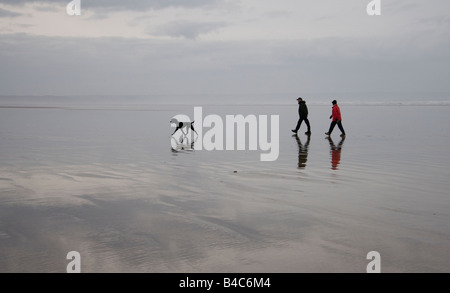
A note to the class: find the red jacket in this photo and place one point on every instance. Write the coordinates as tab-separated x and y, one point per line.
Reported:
336	114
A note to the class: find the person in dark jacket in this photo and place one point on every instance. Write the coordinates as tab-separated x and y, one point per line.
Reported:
336	119
303	116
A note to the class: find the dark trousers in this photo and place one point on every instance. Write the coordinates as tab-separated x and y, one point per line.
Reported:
339	124
299	123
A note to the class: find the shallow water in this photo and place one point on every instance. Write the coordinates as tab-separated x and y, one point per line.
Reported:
103	180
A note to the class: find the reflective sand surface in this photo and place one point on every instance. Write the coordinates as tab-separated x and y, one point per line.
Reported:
105	182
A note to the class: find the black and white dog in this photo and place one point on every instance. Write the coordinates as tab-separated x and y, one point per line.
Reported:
181	125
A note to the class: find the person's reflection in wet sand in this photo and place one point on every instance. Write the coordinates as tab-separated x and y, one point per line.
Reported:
335	153
302	151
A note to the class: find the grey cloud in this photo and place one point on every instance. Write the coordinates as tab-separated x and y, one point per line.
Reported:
124	4
278	14
442	20
7	13
399	6
187	29
68	66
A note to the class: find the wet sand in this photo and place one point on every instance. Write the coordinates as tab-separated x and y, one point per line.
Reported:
106	183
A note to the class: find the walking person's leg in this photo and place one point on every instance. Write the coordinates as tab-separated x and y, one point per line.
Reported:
309	126
332	125
341	128
299	123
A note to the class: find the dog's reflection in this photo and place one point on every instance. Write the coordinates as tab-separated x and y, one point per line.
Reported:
302	151
183	143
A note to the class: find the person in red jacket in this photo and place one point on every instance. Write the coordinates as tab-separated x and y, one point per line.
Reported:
336	119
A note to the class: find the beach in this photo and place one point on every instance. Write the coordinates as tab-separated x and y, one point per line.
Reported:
104	180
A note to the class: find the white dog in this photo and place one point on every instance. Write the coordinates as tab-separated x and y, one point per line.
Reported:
181	125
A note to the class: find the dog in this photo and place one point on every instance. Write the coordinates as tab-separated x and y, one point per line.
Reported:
181	125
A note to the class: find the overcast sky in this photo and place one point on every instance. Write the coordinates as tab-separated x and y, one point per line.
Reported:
208	47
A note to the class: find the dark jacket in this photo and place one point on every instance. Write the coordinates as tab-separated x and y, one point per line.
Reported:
302	109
